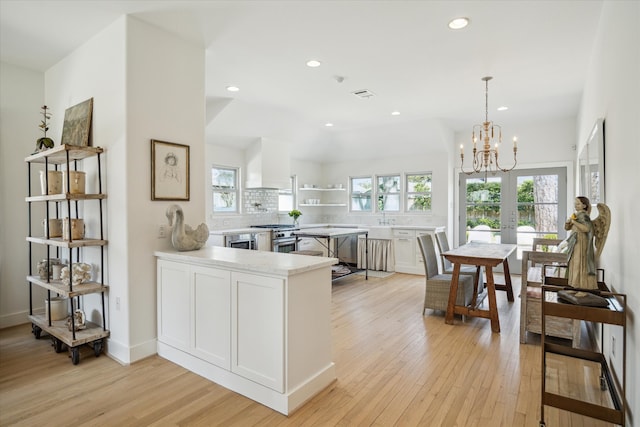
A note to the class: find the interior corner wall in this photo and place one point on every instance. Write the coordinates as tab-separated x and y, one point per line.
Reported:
21	95
145	84
97	70
165	101
611	92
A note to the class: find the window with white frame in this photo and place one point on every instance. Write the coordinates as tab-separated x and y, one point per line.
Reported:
224	183
418	192
361	192
287	196
388	193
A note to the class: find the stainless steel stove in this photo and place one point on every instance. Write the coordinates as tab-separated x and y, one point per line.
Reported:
282	238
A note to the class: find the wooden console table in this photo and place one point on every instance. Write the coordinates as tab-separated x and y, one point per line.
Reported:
487	255
613	314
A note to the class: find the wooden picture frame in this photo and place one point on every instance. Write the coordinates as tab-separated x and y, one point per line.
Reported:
169	171
76	129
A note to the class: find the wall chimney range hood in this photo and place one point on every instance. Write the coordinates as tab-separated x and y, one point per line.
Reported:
268	165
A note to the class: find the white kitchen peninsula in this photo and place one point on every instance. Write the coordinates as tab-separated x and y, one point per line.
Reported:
255	322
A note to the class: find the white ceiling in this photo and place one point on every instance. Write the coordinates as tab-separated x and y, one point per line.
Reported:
402	51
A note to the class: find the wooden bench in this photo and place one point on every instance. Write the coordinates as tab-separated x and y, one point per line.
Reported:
542	256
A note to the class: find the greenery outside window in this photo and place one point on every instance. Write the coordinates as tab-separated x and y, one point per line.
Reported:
388	193
224	182
418	192
361	188
287	196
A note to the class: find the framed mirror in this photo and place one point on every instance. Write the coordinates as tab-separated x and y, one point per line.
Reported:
591	165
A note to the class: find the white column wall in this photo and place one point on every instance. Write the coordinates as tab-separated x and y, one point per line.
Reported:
165	101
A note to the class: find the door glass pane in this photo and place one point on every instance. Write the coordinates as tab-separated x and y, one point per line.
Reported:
483	209
537	209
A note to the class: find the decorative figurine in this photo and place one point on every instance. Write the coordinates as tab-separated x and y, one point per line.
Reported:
580	243
45	142
79	319
183	237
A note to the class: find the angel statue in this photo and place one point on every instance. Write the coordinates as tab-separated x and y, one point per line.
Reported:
580	243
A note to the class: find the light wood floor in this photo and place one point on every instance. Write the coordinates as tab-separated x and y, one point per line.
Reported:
395	367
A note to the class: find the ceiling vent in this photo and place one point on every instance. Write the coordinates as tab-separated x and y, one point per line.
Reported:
364	93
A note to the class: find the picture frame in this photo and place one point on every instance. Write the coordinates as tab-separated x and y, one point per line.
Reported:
76	129
169	171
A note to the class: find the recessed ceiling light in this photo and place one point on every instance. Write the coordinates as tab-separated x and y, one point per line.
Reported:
233	88
458	23
328	124
503	108
395	113
313	63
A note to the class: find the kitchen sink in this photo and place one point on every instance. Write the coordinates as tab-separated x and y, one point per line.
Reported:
380	232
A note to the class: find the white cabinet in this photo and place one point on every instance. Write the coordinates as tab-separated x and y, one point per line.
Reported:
263	334
174	304
407	252
257	335
190	297
321	196
405	247
210	322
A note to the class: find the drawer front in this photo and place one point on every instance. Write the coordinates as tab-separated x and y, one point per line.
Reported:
404	233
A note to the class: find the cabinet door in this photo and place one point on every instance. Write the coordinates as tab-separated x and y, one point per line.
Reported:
174	304
405	248
257	329
211	328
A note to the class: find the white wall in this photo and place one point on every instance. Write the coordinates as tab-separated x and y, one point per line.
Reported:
22	96
165	101
97	70
146	84
612	91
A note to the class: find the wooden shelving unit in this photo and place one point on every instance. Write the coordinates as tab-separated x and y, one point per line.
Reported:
614	314
63	334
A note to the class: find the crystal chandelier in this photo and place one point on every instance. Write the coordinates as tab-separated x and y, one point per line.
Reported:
487	158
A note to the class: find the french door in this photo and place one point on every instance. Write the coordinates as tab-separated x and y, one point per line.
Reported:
513	207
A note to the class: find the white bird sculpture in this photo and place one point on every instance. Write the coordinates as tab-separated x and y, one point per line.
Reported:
183	237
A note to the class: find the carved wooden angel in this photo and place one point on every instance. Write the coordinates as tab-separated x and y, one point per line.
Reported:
582	251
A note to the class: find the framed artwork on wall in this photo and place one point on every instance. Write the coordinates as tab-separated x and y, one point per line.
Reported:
169	171
76	129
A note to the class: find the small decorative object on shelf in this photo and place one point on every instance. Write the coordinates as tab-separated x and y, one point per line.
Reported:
45	142
183	237
79	319
81	273
295	214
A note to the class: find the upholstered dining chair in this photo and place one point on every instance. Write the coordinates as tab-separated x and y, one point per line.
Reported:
438	285
447	267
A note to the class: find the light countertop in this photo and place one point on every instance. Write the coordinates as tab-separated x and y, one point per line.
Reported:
329	232
280	264
251	230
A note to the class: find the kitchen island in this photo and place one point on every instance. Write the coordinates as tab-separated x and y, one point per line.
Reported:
255	322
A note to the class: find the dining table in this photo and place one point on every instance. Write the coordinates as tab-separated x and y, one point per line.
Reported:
480	254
